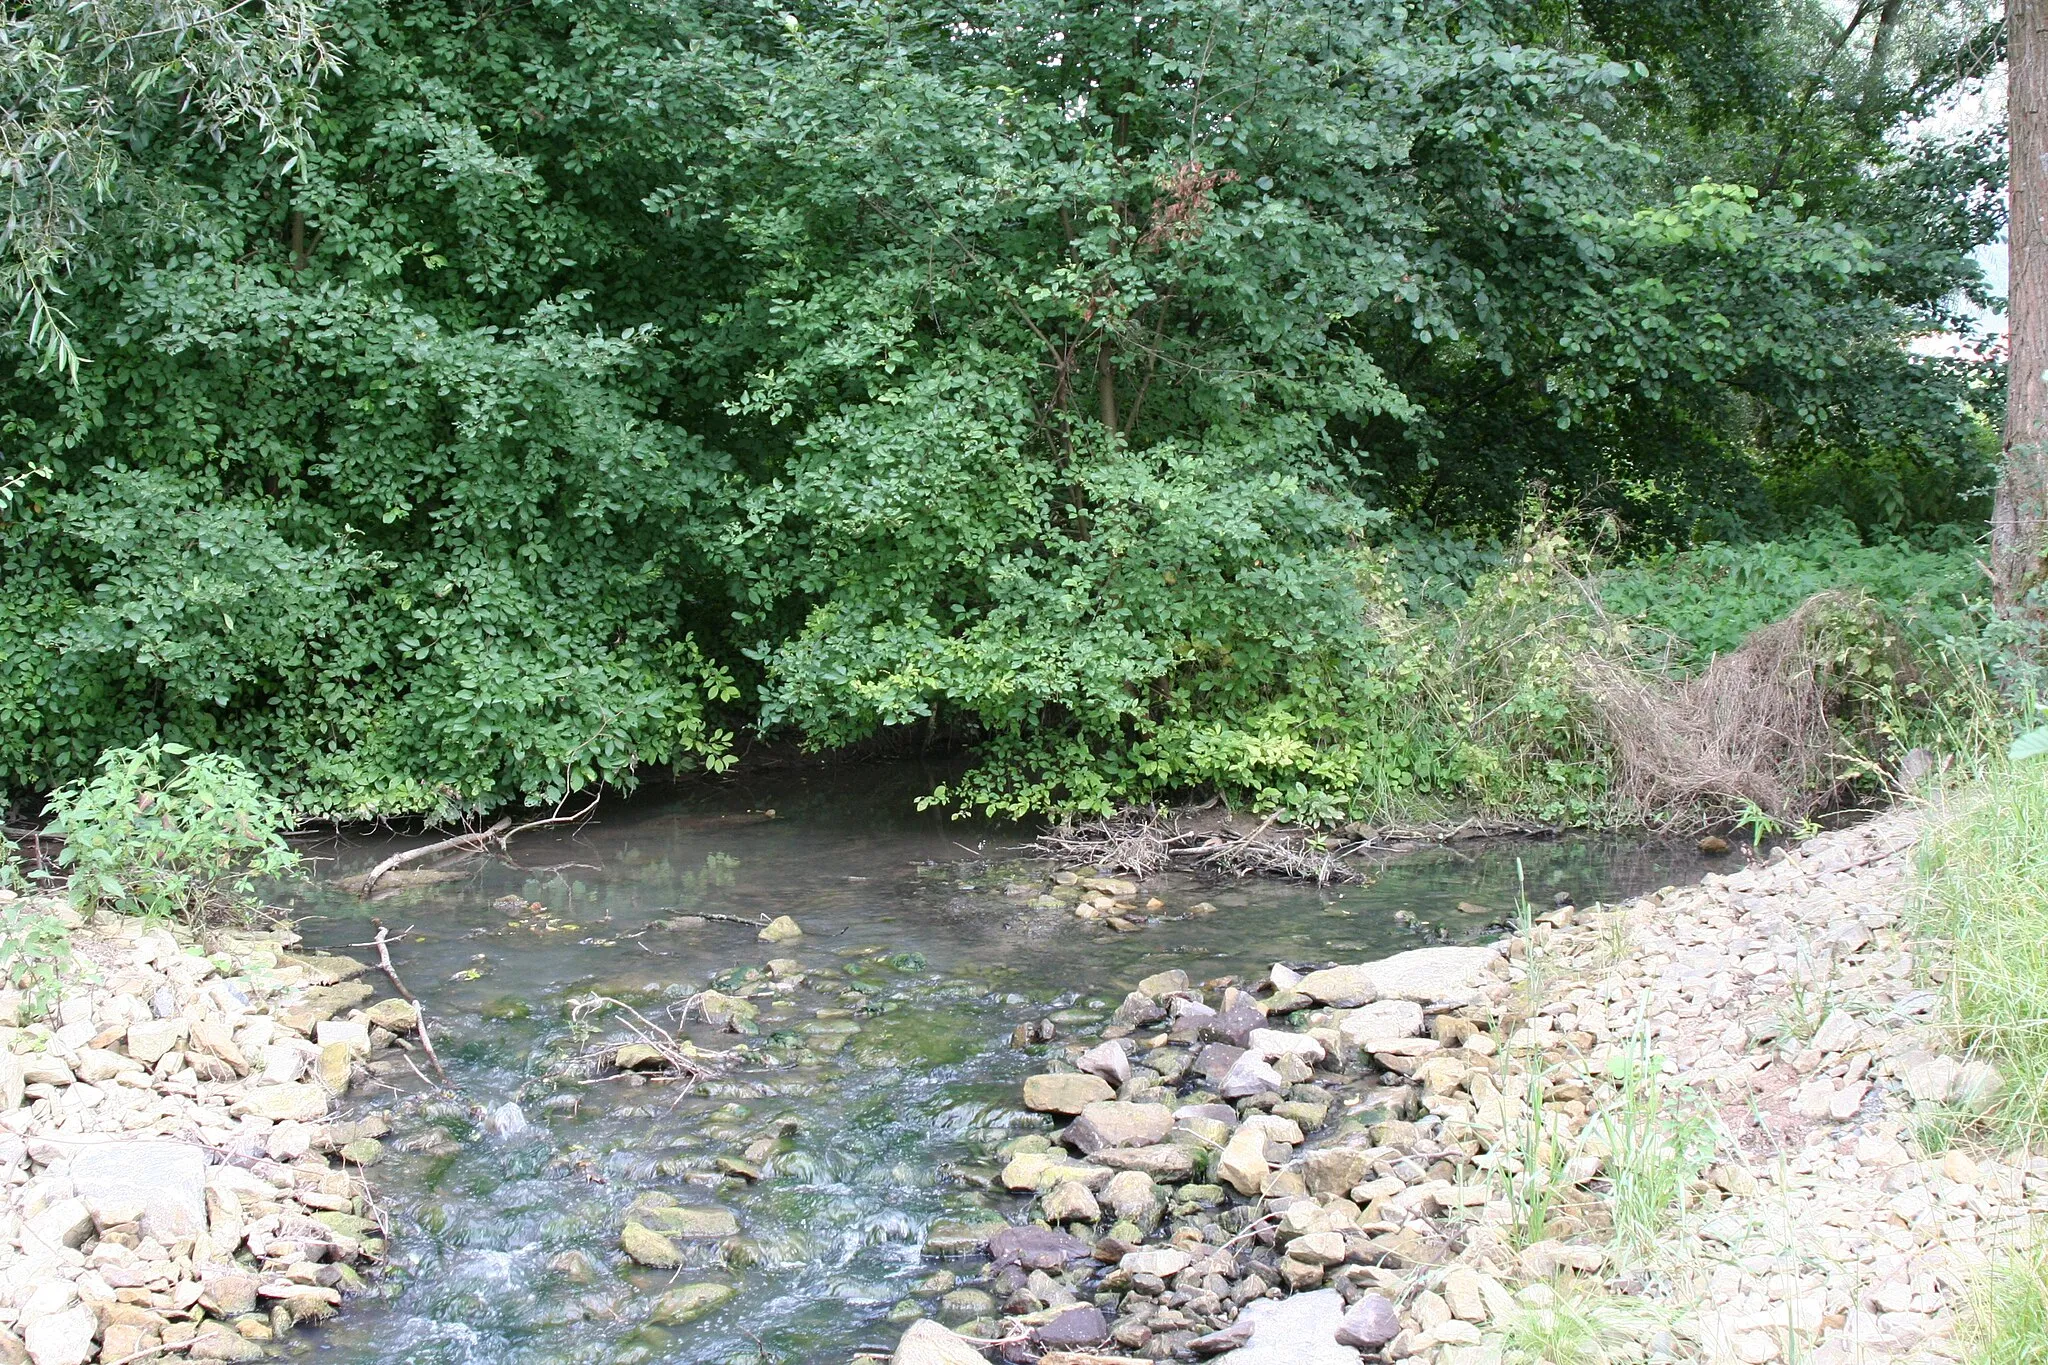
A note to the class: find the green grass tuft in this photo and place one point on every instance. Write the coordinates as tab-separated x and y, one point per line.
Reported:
1985	866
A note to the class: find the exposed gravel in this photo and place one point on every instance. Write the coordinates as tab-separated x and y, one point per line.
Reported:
1358	1142
174	1181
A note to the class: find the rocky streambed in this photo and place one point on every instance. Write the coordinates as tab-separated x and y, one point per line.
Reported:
810	1091
176	1181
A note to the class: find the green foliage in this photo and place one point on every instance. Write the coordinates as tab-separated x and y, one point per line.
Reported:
2008	1318
35	950
481	402
164	831
1707	600
1985	865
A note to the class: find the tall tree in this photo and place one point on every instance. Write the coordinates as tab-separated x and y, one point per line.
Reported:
2021	511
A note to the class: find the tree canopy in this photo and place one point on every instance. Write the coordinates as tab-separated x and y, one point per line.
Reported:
449	403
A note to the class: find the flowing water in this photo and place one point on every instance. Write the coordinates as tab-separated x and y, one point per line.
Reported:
873	1091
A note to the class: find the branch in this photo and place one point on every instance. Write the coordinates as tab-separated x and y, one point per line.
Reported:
470	842
382	945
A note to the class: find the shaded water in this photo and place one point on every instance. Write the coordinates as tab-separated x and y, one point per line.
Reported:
873	1094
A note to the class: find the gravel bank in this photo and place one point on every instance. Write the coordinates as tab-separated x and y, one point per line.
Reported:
174	1180
1695	1127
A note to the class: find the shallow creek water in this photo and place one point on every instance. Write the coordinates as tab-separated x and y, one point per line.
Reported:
867	1124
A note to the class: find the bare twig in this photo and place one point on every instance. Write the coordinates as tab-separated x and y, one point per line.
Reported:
382	943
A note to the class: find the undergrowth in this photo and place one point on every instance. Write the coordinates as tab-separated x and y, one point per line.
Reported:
2008	1319
1985	896
162	831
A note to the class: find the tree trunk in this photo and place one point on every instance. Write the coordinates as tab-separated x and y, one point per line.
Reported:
2020	512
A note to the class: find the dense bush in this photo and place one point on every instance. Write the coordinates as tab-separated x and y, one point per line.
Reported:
438	405
160	830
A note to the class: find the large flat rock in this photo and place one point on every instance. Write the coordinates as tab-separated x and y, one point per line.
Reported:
1299	1330
1433	976
162	1183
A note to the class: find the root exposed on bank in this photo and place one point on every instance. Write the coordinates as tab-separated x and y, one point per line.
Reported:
1756	727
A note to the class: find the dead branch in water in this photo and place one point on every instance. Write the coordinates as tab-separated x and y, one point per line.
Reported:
382	944
680	1057
498	836
1141	842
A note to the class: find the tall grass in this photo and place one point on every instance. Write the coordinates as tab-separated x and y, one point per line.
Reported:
1984	862
2009	1318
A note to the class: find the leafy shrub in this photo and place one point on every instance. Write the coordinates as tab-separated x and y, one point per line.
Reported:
161	830
35	948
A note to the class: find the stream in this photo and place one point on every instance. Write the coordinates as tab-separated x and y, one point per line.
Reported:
877	1083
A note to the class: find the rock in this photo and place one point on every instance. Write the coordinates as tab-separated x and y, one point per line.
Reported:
1713	845
1382	1019
1243	1165
661	1213
1298	1330
66	1223
1070	1202
649	1248
639	1057
1107	1060
165	1180
962	1239
64	1338
1168	1161
1333	1172
394	1015
781	929
1132	1196
1838	1032
1172	982
1270	1043
1342	987
229	1295
293	1101
1976	1087
1032	1248
689	1301
1065	1093
149	1040
1450	976
1137	1010
353	1034
13	1081
332	1068
1371	1323
1462	1294
1235	1025
1165	1262
1250	1074
1105	1124
1076	1325
215	1341
927	1343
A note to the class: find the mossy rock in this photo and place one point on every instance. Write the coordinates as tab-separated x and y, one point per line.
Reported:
688	1302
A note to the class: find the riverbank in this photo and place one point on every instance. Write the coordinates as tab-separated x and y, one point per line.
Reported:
1710	1124
175	1178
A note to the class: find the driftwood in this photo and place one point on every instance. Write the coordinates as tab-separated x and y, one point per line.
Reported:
1142	842
382	943
500	834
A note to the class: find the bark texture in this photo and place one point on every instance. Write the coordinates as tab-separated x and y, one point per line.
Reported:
2020	512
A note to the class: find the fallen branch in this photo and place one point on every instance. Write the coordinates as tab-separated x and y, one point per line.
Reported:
498	835
382	944
473	842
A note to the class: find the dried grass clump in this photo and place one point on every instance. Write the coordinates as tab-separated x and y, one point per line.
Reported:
1757	727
